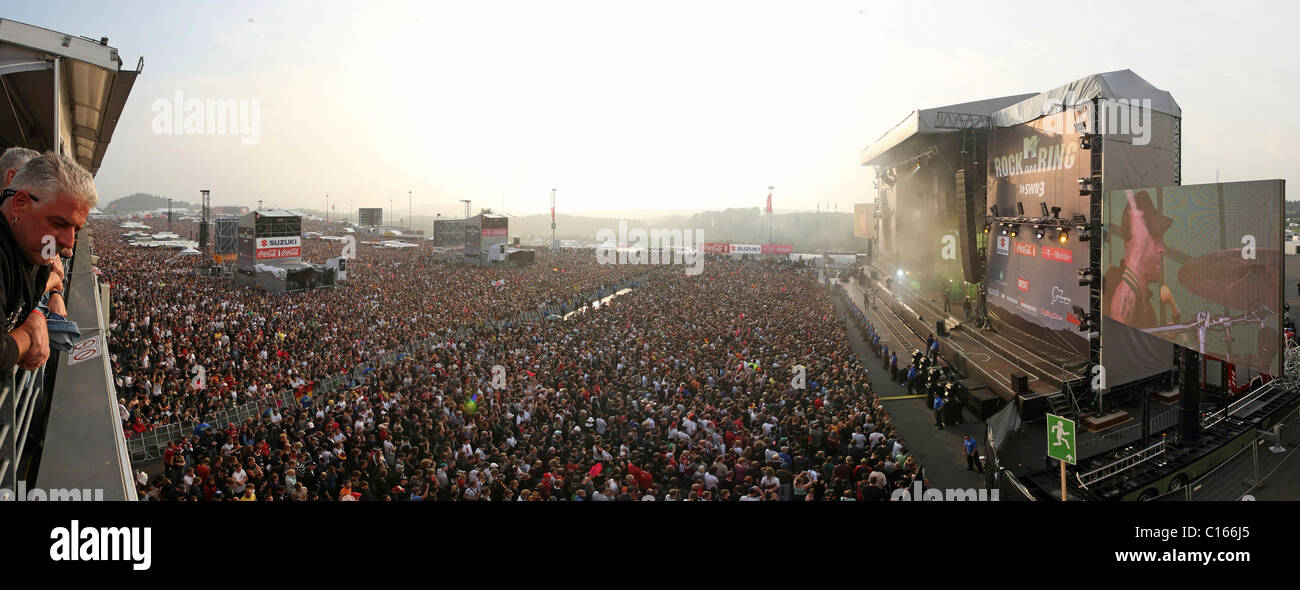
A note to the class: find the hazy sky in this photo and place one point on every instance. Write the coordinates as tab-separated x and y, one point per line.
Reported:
625	105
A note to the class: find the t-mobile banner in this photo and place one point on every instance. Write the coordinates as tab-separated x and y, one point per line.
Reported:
1037	165
777	248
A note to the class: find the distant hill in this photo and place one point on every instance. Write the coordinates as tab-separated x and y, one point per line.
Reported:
143	202
805	230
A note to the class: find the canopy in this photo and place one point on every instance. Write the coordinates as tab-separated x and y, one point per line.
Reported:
1112	85
944	119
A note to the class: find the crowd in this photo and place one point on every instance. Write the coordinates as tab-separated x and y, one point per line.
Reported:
681	390
167	321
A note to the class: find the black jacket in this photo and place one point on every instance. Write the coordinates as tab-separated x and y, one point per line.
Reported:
23	284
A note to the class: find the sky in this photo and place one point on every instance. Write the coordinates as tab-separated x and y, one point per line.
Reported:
622	105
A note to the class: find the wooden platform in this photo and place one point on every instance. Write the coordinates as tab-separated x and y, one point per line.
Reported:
1099	423
1167	398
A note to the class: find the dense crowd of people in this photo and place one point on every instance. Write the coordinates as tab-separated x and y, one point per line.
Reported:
737	384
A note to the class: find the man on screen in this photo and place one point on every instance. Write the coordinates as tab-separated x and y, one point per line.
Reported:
1126	294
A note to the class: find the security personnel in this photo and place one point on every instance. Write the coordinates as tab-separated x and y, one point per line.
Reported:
938	412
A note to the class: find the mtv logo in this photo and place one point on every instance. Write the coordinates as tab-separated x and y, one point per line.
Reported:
1031	147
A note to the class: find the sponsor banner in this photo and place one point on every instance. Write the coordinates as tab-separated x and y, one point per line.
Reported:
1004	245
864	223
1204	250
281	247
269	253
746	249
1022	284
494	232
1058	254
777	249
1058	296
715	248
284	242
1050	314
1027	249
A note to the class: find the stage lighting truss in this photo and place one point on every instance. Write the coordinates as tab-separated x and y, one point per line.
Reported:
1038	231
1086	139
1086	186
1043	206
1085	319
1085	277
1062	235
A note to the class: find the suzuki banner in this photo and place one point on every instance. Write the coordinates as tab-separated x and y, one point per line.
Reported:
746	249
283	247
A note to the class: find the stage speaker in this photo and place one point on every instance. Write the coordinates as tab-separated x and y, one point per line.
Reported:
968	220
1019	383
941	328
982	402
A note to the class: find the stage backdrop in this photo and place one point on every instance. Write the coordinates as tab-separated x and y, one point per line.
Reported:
1200	266
1033	281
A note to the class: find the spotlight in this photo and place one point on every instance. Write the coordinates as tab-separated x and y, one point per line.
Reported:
1085	277
1062	235
1044	208
994	210
1085	319
1014	229
986	226
1084	235
1020	208
1038	231
1083	143
916	168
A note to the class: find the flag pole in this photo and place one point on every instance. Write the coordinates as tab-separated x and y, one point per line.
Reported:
769	213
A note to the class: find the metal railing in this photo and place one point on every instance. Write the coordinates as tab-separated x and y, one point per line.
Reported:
149	445
1122	465
1124	435
20	390
1244	471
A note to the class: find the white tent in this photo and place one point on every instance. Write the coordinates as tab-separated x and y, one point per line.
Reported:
189	252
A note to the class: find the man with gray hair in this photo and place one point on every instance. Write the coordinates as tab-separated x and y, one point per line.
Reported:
12	161
44	206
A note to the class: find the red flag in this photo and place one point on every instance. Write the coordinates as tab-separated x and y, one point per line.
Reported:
596	469
769	201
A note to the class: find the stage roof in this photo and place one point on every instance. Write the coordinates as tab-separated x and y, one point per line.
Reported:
61	88
1112	85
932	121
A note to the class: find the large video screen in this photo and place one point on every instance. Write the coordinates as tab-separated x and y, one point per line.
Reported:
1199	266
1034	280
